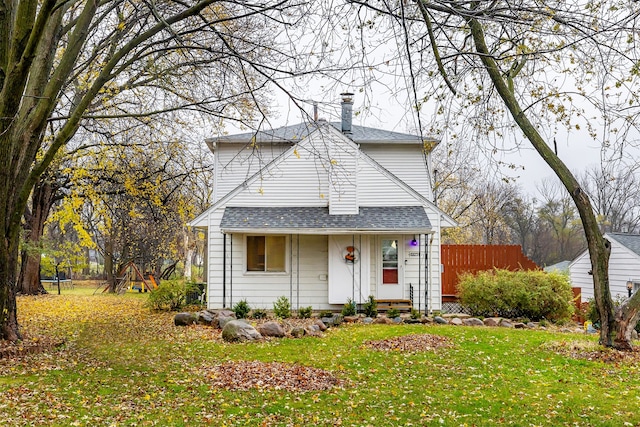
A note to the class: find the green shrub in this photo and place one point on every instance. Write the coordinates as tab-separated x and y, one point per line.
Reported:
370	308
392	313
325	313
349	308
282	308
259	313
305	312
171	295
241	309
532	294
415	314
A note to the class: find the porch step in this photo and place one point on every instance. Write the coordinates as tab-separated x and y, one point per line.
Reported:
402	305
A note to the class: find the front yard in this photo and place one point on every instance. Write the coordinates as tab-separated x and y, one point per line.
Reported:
121	364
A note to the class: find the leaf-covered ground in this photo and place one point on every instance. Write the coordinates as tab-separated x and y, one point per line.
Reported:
122	365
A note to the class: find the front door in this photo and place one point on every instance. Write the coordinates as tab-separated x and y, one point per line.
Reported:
390	281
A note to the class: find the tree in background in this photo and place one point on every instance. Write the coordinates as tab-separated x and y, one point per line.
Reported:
69	65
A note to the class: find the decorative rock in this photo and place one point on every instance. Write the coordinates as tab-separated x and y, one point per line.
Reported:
334	320
367	320
237	331
382	321
297	332
351	319
440	320
397	319
271	329
634	335
312	331
204	317
328	321
532	325
320	325
184	319
426	320
506	324
492	321
412	321
456	315
223	320
473	321
455	321
519	325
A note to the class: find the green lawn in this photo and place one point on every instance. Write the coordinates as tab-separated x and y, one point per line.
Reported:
123	365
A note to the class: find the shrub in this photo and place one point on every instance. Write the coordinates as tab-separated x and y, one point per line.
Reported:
241	309
349	308
282	308
370	307
392	313
259	313
325	313
305	312
171	295
415	314
532	294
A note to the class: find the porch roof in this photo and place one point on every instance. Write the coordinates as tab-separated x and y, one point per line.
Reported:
317	220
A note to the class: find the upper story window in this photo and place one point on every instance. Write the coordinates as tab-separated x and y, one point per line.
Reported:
266	253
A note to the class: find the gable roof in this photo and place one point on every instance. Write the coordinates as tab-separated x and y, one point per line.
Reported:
410	219
297	132
630	241
292	131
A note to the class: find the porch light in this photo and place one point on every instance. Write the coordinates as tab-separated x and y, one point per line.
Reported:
414	242
629	287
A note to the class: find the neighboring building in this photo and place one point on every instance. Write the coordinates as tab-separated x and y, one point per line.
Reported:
320	213
624	266
559	267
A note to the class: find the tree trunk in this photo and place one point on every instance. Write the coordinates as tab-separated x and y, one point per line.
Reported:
42	200
8	311
599	248
108	263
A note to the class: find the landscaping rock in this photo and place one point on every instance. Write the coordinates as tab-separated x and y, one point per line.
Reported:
454	315
519	325
412	321
223	320
492	321
297	332
382	321
184	319
473	321
320	325
351	319
532	325
634	335
426	320
455	321
440	320
204	317
312	331
367	320
334	320
271	329
397	319
238	331
506	323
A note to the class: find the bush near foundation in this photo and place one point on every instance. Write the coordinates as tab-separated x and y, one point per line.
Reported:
532	294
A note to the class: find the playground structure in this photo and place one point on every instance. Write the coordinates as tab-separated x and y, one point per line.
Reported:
130	278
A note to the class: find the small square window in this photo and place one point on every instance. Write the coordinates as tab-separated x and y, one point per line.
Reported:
266	253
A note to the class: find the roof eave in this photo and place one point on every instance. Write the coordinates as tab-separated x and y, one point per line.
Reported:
325	231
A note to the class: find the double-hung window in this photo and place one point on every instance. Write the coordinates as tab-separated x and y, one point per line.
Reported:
266	253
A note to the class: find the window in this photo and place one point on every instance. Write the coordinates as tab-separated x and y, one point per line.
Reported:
266	253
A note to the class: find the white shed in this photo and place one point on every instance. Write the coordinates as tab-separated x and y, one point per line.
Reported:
624	266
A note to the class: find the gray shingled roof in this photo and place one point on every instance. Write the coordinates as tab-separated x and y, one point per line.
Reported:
294	133
388	218
630	241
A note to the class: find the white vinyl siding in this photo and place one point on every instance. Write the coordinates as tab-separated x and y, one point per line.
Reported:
624	265
405	161
376	189
343	195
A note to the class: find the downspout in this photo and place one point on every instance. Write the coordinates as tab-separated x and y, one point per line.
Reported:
298	271
231	270
427	260
353	272
360	269
224	270
419	270
291	268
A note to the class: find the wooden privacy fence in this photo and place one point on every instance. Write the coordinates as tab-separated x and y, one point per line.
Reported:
458	259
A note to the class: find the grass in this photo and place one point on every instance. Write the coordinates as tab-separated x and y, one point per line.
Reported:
124	365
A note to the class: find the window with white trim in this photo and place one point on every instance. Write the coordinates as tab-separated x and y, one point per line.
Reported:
266	253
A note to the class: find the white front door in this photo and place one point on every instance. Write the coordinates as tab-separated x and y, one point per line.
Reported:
391	254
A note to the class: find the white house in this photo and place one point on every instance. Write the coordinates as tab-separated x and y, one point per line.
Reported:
320	213
624	266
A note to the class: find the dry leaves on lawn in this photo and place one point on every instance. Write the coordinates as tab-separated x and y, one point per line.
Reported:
410	343
245	375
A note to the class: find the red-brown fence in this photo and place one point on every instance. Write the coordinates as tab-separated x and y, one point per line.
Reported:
458	259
